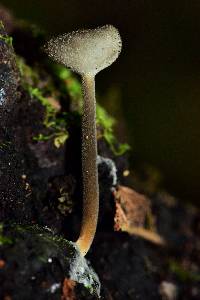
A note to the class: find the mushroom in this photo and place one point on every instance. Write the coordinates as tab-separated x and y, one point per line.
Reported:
87	52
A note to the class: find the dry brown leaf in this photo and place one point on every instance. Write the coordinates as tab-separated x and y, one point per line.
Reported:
131	207
68	290
131	211
2	263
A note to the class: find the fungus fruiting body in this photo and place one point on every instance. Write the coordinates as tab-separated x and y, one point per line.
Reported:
87	52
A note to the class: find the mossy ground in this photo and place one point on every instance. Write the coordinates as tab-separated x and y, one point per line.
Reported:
41	261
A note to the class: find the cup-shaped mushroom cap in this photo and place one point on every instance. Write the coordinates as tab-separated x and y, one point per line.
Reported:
87	51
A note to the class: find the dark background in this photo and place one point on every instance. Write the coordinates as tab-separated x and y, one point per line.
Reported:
157	76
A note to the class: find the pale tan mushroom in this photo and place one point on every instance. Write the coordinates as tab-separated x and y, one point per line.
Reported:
87	52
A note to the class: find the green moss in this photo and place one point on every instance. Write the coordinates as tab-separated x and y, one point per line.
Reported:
56	124
4	146
51	121
106	122
29	77
183	274
7	39
69	84
4	37
1	25
37	93
3	239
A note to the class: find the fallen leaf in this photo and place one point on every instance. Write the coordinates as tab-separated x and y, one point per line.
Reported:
2	263
68	290
132	209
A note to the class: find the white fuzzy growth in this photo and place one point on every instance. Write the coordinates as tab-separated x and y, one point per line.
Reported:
86	51
2	96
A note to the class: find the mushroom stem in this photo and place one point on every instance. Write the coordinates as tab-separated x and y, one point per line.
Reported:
89	166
